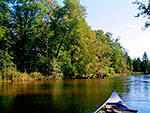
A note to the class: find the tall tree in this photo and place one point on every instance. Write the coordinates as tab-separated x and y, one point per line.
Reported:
31	29
23	14
145	63
129	62
68	21
6	60
137	63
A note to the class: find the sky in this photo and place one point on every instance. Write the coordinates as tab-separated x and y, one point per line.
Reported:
118	17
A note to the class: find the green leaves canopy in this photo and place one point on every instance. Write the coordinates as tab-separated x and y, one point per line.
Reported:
41	35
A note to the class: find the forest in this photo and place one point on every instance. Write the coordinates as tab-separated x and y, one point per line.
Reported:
42	39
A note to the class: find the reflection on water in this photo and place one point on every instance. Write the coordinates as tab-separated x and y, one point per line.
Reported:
73	96
139	93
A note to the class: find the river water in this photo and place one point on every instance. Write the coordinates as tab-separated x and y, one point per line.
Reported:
73	96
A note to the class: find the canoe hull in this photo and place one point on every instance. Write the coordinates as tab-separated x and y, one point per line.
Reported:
114	105
135	111
117	112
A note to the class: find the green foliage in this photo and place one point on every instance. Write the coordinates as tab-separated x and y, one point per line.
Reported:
36	75
6	61
13	75
145	64
129	63
56	72
144	10
142	66
3	32
44	38
137	65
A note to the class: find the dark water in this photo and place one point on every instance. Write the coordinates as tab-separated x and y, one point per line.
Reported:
73	96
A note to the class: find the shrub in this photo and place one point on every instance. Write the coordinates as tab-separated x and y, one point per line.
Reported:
13	75
24	77
36	75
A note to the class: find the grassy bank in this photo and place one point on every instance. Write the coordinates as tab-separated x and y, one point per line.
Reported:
125	74
13	76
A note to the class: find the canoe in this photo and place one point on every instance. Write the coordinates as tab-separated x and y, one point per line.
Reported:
114	105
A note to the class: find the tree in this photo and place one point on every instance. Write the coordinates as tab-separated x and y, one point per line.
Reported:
42	36
44	40
6	60
137	63
144	10
145	63
129	62
23	14
69	19
31	28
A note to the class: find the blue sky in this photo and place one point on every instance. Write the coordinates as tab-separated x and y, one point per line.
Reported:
117	17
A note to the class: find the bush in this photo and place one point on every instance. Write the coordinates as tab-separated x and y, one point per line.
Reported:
24	77
36	76
111	71
13	75
57	72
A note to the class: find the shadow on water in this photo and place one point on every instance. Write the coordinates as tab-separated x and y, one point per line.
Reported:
73	96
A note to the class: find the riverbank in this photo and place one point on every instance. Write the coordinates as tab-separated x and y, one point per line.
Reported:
14	76
125	74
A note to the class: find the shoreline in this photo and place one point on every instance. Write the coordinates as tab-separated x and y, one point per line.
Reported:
15	76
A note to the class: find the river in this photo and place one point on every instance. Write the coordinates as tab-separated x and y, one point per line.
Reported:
73	96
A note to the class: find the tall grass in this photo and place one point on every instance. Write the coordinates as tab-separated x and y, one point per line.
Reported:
13	75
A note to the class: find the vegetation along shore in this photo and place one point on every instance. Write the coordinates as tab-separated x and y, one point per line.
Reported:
44	40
